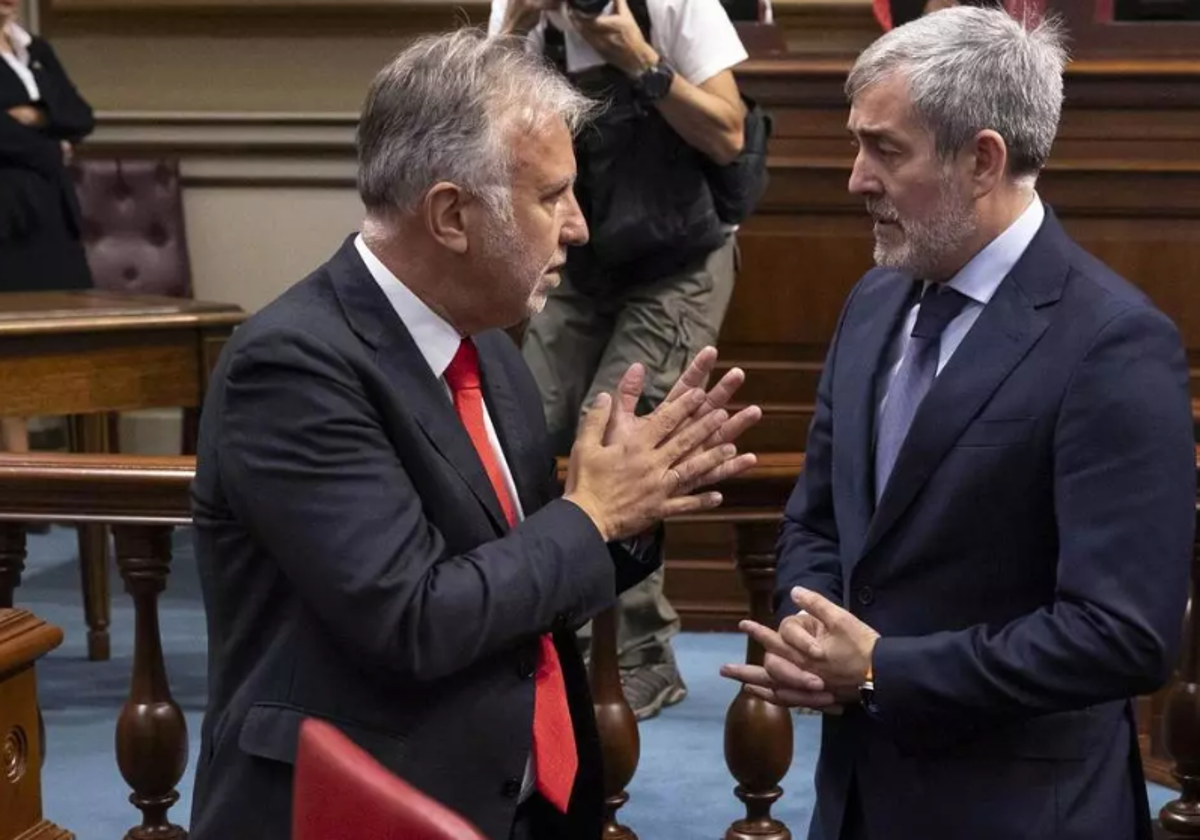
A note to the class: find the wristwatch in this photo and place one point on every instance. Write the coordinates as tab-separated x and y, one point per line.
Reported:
866	692
655	82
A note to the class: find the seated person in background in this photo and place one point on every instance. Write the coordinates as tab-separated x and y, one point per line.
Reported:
987	555
377	527
42	116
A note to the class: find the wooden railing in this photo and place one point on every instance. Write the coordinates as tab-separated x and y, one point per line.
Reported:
145	498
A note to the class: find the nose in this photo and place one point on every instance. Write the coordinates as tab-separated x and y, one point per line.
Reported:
574	230
862	178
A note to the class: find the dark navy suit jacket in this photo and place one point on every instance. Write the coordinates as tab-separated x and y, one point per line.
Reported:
1026	565
356	566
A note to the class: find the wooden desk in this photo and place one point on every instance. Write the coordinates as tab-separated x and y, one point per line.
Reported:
85	353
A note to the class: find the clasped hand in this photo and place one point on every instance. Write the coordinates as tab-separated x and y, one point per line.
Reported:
817	659
629	472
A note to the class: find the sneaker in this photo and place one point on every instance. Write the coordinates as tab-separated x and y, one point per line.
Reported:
649	688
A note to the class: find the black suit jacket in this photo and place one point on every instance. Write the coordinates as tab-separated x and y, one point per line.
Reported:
356	565
1027	564
38	208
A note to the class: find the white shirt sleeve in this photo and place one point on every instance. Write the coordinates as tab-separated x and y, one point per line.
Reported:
695	37
496	17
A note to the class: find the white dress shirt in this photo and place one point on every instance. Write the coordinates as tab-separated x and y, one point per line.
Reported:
438	342
978	280
18	60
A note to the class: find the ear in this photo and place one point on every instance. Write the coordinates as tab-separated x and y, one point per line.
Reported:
446	210
989	162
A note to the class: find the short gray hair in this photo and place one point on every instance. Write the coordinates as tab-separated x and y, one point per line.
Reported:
970	69
442	110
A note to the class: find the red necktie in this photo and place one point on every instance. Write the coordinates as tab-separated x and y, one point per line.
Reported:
554	755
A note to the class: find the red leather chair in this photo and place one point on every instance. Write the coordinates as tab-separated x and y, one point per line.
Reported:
341	793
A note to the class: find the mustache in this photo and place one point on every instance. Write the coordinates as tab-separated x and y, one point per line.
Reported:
882	210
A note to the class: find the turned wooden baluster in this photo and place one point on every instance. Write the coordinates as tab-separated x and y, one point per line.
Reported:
91	433
615	722
1181	723
758	734
152	744
12	560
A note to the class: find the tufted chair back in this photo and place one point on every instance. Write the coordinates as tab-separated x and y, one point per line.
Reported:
133	228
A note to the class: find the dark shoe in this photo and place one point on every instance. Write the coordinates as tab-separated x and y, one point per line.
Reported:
648	688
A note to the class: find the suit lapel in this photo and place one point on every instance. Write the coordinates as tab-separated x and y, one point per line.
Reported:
371	315
885	305
507	416
1004	333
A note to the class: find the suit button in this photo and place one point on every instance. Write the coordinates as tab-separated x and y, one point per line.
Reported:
511	789
866	596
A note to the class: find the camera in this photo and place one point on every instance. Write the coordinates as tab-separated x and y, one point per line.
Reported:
591	8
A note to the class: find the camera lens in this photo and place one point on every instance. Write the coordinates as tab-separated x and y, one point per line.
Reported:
588	7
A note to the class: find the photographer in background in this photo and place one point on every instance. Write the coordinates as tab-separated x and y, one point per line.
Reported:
654	282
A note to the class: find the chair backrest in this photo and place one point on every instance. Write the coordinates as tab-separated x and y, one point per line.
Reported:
133	228
341	793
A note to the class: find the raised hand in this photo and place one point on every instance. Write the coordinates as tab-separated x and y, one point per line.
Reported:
646	473
624	420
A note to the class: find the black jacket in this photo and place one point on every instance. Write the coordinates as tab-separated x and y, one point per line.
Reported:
39	213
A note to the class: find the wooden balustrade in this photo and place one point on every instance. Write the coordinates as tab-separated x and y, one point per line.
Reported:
144	499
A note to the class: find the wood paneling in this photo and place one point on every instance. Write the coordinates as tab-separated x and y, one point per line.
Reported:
1124	178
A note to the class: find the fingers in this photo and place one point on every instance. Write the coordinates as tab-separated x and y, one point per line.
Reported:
747	674
628	392
724	390
725	471
668	417
735	426
785	674
825	611
629	389
687	474
798	637
755	680
692	436
696	375
771	641
593	424
688	505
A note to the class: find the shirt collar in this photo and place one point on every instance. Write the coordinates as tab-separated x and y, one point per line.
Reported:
19	37
980	277
433	335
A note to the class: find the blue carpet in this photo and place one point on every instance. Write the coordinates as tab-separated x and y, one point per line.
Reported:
682	790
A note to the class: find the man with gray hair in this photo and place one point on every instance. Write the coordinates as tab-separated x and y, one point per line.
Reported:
987	555
379	532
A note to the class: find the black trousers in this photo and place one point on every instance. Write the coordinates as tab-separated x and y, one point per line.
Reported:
854	826
536	820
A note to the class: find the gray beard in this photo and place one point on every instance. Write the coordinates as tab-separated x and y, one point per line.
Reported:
926	242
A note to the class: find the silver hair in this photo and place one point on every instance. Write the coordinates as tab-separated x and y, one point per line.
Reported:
443	110
970	69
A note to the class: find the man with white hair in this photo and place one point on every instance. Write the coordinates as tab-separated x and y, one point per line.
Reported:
987	555
378	529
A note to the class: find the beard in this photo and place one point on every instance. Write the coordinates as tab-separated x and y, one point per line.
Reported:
517	266
920	246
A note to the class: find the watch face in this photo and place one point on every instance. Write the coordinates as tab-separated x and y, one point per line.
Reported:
656	82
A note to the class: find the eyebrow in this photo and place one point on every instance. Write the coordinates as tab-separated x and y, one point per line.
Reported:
559	185
874	134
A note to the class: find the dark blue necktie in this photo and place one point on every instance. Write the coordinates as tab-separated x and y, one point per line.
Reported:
939	306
